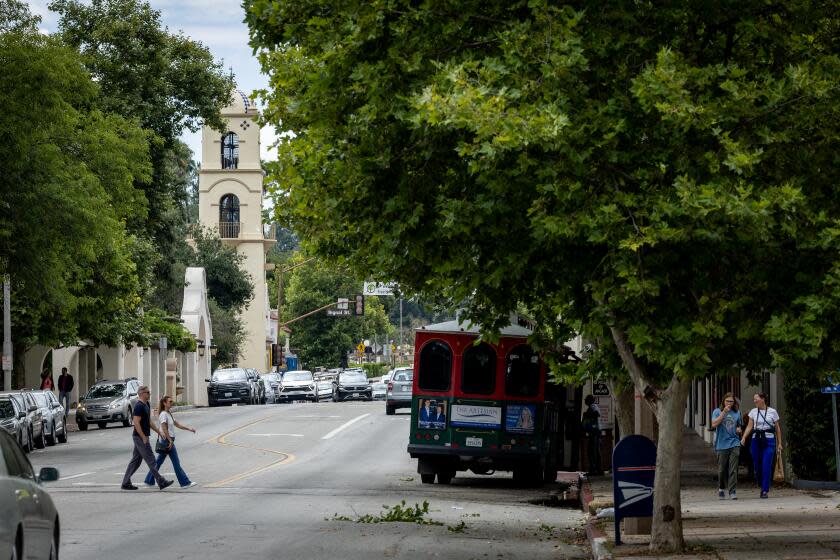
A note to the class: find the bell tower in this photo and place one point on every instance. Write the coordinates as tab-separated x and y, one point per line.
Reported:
230	193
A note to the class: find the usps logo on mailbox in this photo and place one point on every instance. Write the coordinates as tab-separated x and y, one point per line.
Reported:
634	470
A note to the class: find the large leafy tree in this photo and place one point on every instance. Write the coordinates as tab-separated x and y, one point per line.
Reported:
168	83
663	177
71	176
319	338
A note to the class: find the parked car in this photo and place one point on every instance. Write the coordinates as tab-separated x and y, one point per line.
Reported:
29	526
352	384
107	402
297	385
55	428
270	382
398	394
13	420
34	420
228	386
323	388
380	387
259	389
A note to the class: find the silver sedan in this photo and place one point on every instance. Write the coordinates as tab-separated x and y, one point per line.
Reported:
29	526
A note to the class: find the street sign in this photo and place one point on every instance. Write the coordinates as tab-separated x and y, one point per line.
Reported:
600	390
830	389
360	348
7	363
338	312
634	470
342	303
379	288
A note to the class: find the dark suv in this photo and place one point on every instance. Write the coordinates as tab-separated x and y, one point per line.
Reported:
228	386
106	402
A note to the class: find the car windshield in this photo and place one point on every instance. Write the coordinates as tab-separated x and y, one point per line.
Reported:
41	399
104	391
298	376
7	410
230	375
352	377
271	377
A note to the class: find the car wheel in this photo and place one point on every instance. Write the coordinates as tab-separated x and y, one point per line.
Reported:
54	543
445	477
102	425
41	442
82	425
62	437
427	478
17	548
127	421
389	410
51	436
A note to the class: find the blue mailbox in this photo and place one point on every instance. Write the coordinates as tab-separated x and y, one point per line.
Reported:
634	470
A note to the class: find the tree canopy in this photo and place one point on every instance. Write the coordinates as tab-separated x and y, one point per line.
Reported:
660	176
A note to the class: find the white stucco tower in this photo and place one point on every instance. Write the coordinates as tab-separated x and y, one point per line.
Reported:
230	192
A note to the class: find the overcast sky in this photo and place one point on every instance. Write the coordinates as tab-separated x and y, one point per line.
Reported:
218	25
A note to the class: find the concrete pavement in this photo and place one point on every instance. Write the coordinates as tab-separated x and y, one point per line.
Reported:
790	524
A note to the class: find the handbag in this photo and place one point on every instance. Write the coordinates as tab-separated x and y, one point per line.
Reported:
779	470
162	446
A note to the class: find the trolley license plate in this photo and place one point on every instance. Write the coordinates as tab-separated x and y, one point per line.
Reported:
475	442
228	394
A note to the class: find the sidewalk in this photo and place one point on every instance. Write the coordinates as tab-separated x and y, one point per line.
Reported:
791	524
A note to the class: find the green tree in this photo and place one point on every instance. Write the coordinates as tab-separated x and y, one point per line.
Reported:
321	339
227	282
228	334
663	177
70	180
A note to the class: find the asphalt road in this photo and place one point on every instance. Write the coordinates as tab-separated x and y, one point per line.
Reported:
279	481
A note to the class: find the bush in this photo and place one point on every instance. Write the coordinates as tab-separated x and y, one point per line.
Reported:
375	370
810	432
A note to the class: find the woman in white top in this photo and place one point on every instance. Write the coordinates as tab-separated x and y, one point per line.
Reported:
167	428
764	425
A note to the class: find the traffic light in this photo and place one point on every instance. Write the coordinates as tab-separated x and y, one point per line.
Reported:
276	355
360	305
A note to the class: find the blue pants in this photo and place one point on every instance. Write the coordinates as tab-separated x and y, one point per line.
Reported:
64	399
763	452
183	479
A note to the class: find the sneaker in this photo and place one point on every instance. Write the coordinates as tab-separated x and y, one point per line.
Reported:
764	495
128	487
721	494
190	485
733	496
166	484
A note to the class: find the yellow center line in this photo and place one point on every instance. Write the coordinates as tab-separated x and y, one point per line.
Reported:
285	458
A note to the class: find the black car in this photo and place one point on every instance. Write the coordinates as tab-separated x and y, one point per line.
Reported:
352	385
228	386
13	420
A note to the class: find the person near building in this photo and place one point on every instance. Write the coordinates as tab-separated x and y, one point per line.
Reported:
47	380
167	441
592	428
65	386
727	423
140	436
765	428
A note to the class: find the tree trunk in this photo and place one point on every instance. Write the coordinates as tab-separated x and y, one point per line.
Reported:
625	407
666	533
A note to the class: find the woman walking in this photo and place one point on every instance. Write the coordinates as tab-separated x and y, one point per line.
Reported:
727	423
167	428
766	439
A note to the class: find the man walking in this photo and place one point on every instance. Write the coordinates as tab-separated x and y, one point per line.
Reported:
65	386
140	436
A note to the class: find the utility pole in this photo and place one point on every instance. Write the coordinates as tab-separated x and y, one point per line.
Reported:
280	272
8	360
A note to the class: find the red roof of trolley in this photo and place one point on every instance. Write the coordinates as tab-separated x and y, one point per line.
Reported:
458	326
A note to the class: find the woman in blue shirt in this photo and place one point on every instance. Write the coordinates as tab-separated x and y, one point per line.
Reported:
727	423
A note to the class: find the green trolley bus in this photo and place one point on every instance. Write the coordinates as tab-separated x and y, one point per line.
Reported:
482	407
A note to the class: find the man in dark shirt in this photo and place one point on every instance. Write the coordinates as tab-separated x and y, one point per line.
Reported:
142	450
65	386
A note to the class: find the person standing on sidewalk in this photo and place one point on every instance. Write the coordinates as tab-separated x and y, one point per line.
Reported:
592	429
727	423
766	438
167	426
140	436
65	386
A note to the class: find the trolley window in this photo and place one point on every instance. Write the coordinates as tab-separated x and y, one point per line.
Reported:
435	367
478	373
522	374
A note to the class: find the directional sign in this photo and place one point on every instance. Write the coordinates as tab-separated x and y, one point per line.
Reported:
379	288
338	312
830	389
634	470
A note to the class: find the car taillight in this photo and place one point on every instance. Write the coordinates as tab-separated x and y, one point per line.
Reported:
390	386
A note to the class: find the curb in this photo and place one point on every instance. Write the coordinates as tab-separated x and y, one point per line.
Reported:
184	407
597	537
